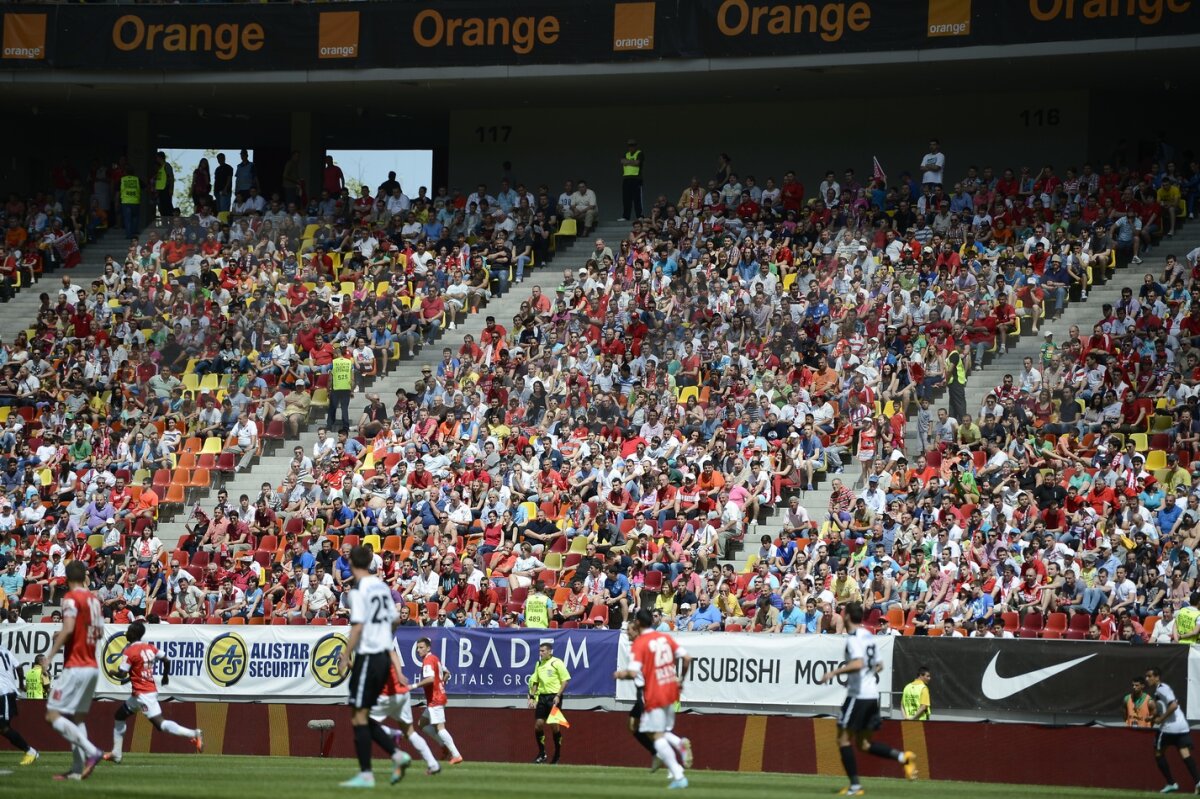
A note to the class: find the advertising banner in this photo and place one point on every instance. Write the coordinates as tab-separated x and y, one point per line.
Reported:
500	662
1068	678
235	663
1192	696
478	33
299	663
762	670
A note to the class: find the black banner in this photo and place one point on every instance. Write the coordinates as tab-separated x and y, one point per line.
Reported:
416	34
1068	678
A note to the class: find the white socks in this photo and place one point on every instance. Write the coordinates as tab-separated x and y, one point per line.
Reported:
675	741
172	728
666	753
448	742
118	738
76	734
423	750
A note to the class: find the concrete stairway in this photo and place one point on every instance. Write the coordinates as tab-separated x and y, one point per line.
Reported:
272	467
20	313
1082	313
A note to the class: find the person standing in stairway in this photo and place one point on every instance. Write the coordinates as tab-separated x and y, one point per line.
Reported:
956	378
131	203
631	181
223	183
341	386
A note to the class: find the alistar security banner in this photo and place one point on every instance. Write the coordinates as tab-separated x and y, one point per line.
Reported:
230	663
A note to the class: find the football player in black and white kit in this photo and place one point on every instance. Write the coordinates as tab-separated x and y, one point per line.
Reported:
372	619
1173	731
860	718
11	677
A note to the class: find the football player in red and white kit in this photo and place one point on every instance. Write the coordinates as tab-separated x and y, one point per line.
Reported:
138	661
395	703
433	720
71	695
661	664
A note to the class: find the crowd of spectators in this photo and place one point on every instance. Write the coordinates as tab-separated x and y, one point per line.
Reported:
610	445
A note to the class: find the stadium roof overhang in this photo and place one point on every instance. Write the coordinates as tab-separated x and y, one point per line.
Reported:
1115	65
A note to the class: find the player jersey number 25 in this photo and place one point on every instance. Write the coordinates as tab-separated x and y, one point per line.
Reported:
664	659
379	610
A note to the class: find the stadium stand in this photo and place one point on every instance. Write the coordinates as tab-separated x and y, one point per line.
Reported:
624	419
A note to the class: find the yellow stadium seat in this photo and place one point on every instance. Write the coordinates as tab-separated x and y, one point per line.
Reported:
788	280
212	446
373	540
1157	459
568	228
688	393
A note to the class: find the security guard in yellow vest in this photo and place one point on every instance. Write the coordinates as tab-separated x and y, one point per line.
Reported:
341	386
164	186
956	380
130	189
537	607
546	689
631	181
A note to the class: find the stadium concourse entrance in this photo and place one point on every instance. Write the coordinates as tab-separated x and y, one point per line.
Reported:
550	127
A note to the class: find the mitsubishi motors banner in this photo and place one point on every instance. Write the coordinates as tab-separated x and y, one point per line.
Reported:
756	671
1074	681
500	662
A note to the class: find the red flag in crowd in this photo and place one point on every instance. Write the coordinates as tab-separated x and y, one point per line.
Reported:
878	173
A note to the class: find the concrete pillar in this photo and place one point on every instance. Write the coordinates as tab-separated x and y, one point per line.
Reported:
139	150
306	141
138	146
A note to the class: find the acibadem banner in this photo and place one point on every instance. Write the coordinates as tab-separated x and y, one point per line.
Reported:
425	35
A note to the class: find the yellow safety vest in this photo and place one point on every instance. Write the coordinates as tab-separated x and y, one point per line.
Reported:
131	190
537	615
632	171
342	378
33	683
959	373
160	178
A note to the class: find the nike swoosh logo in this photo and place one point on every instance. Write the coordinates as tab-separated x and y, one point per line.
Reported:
996	687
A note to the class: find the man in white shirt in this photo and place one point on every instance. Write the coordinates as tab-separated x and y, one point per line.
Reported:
1031	378
933	165
246	433
583	205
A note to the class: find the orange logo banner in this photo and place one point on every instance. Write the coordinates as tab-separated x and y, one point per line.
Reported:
949	18
338	35
25	36
633	26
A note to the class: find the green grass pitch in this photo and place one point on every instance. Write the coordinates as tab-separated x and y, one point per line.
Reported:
179	777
